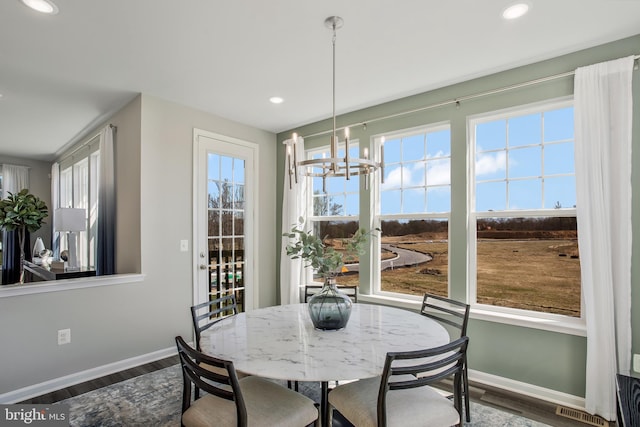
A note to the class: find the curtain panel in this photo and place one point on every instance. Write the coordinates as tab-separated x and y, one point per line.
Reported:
105	253
603	117
294	202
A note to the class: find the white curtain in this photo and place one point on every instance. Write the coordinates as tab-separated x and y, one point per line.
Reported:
105	256
603	117
293	207
14	178
55	204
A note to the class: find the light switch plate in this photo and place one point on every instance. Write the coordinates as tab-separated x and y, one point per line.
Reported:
64	336
184	245
636	362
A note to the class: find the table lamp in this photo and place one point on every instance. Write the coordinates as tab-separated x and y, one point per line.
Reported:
71	220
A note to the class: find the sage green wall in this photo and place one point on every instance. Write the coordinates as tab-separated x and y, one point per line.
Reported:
550	360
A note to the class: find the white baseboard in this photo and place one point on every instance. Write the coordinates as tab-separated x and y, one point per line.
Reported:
546	394
80	377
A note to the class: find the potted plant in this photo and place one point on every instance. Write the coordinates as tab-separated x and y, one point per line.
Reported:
330	308
22	212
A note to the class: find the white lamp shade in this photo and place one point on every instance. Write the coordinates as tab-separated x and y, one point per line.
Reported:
70	219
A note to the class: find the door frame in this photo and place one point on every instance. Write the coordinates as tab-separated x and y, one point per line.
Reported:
251	226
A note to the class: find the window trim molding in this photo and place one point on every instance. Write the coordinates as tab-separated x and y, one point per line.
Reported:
7	291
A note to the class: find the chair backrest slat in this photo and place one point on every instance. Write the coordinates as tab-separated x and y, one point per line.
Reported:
207	314
214	382
422	368
445	310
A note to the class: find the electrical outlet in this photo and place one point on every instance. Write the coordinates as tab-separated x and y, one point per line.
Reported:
636	362
64	336
184	245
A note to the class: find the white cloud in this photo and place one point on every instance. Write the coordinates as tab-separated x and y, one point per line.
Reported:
439	172
490	163
396	177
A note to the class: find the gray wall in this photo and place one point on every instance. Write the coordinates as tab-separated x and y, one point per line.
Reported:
154	211
550	360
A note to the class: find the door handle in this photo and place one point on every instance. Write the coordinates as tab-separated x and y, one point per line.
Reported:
203	267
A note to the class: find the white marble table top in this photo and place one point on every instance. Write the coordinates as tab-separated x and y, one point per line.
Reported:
280	342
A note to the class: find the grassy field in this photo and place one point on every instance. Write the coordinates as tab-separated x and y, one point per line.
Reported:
534	274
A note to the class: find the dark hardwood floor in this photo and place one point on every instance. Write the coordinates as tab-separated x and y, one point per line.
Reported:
525	406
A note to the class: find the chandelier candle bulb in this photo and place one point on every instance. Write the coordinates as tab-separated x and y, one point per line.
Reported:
346	154
382	160
366	153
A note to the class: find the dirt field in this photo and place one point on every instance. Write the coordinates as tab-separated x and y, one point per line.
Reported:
532	274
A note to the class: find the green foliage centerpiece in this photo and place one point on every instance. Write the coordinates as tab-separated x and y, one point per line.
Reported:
330	308
22	212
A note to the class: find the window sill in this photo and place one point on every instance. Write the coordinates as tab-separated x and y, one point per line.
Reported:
67	284
560	324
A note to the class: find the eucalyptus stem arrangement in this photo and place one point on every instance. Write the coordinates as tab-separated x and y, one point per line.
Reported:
325	260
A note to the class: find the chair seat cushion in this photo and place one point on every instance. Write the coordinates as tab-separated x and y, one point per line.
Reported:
268	404
421	406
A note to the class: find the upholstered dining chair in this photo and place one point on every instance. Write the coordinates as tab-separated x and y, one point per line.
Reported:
350	290
455	314
402	395
207	314
229	401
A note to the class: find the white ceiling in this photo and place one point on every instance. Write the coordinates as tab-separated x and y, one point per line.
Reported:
61	75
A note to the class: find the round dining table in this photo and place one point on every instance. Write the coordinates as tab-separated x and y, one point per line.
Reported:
280	342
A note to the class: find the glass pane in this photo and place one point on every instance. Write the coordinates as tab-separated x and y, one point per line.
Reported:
491	135
525	130
213	223
559	158
352	185
213	166
238	171
491	196
529	264
491	165
392	177
335	185
238	223
439	144
226	195
525	194
438	199
525	162
415	256
226	168
238	197
352	204
213	194
560	192
558	124
390	202
333	233
413	148
414	200
392	150
439	172
226	224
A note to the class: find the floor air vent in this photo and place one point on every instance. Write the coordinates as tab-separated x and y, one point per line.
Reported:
574	414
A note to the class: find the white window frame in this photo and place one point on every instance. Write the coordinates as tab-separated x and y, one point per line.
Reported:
529	318
72	196
311	219
376	276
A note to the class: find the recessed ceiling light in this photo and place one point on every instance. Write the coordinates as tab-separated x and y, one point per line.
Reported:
276	100
515	11
44	6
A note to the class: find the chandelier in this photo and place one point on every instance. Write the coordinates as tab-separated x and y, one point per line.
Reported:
335	166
